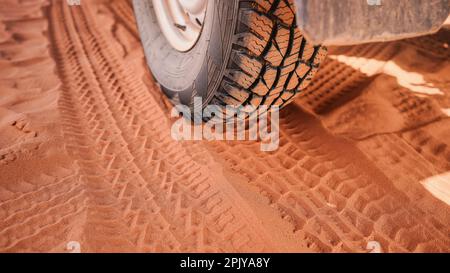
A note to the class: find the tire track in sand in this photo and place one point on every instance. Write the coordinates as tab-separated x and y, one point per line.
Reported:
143	185
334	202
40	194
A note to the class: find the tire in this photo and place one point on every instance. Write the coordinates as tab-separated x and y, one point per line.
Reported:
249	53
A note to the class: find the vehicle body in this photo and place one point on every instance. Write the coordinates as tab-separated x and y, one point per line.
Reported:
347	22
264	52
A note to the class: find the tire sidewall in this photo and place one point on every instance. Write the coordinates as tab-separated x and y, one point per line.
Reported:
196	73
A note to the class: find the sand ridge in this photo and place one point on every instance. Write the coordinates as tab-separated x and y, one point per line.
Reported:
86	153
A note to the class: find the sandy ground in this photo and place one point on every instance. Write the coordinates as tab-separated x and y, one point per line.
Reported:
86	155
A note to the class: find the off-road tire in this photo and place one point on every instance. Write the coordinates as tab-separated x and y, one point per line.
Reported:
249	53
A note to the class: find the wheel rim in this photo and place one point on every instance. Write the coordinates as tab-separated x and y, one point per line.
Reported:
181	21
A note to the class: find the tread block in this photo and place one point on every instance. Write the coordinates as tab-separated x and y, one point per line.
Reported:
271	62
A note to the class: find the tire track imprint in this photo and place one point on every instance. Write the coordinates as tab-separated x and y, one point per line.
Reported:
123	134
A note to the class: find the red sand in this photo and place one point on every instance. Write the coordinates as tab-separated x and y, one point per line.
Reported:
86	153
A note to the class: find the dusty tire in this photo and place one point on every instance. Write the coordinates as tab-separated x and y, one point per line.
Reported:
249	53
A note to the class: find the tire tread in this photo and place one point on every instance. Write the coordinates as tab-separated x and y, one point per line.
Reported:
271	61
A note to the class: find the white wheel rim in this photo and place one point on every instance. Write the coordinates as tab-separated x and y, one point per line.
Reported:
181	21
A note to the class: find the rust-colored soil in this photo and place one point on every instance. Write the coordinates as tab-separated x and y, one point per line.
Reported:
86	153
